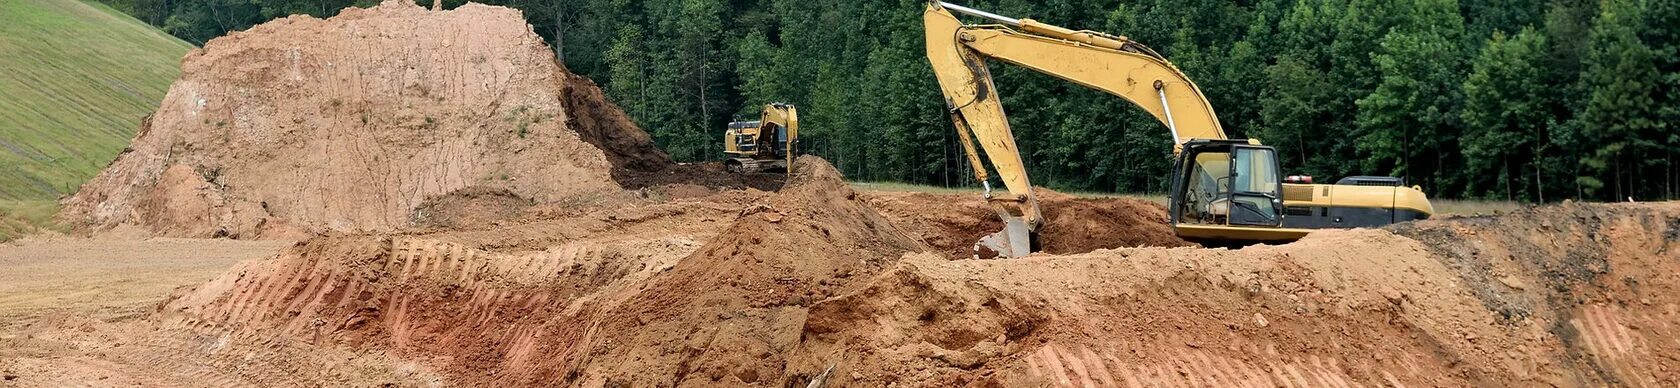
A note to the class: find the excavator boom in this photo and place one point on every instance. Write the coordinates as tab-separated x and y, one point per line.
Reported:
1112	64
1222	188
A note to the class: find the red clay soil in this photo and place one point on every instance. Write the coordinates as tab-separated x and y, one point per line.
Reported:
350	123
601	123
776	290
470	207
1576	295
568	300
952	223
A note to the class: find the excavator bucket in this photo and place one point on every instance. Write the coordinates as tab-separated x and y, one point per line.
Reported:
1015	240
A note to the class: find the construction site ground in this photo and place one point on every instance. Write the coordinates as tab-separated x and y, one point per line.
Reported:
398	196
747	287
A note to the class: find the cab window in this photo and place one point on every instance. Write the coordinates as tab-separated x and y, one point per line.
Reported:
1254	187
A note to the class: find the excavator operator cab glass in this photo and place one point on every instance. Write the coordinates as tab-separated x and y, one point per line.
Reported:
1227	183
779	146
1255	187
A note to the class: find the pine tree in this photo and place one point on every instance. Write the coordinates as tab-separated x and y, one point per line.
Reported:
1300	104
1662	35
1409	123
1505	117
1620	111
627	64
1483	17
757	69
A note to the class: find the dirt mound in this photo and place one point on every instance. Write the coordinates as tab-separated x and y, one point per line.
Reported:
584	291
952	223
601	123
746	288
470	207
351	123
732	313
1563	296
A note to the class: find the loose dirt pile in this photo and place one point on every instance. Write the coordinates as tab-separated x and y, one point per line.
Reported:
570	299
1565	296
351	123
952	223
776	290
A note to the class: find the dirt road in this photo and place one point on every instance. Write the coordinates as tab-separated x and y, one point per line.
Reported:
74	312
110	277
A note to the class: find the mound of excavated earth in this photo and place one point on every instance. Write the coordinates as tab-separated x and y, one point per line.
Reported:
755	289
1573	295
666	292
353	122
953	223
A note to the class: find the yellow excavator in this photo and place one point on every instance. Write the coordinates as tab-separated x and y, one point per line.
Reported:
1224	191
768	144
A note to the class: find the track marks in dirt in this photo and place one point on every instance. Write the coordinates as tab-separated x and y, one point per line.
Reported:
1078	365
1626	345
84	352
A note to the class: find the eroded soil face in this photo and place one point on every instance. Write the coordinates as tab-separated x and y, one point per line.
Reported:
350	124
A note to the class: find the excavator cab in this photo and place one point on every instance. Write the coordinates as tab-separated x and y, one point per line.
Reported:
1227	182
1226	188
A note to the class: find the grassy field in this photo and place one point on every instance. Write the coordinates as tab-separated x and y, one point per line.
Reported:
1443	207
18	218
75	79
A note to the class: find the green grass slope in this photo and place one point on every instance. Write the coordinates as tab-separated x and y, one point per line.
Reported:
75	80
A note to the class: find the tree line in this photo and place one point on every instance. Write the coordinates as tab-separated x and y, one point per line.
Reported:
1502	99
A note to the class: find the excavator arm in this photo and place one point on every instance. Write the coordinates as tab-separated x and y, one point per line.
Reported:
787	116
1112	64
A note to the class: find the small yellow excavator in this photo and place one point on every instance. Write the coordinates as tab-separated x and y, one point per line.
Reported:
768	144
1224	191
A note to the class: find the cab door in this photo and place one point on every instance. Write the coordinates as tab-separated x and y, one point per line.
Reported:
1255	188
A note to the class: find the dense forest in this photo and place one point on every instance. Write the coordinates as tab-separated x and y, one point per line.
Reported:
1504	99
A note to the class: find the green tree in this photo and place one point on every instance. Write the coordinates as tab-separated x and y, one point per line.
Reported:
1505	117
756	67
1621	78
1302	102
200	21
1409	123
1662	35
1484	17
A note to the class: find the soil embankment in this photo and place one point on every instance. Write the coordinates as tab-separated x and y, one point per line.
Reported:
778	290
